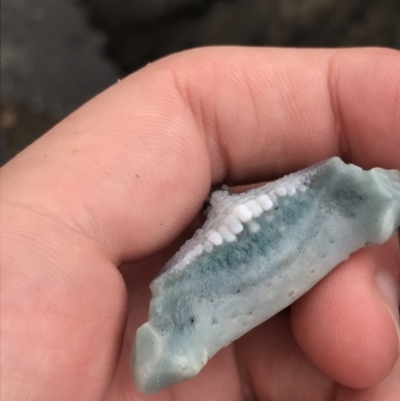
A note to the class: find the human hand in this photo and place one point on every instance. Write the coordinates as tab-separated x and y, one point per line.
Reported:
121	178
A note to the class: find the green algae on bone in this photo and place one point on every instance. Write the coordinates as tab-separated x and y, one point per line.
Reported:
256	253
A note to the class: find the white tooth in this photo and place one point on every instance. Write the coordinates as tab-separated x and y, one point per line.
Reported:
208	246
291	189
254	207
226	233
215	238
272	196
302	188
198	250
265	202
233	223
243	212
281	191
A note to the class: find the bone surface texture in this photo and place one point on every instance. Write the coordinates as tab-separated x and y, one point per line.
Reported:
256	253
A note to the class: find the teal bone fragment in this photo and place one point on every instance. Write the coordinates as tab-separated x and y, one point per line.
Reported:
256	253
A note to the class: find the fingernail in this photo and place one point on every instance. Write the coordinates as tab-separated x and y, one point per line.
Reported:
389	293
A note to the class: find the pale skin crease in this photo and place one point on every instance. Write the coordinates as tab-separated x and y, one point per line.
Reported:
121	178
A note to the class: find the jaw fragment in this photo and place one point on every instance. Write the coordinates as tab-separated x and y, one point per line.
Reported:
257	253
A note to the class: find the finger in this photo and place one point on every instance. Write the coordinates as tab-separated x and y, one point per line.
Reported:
388	390
276	110
132	167
62	310
274	366
348	325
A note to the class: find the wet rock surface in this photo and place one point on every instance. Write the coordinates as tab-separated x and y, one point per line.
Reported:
143	30
51	63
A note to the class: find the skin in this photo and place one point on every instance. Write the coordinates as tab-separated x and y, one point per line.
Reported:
94	208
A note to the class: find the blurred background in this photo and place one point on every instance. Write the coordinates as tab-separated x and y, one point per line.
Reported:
57	54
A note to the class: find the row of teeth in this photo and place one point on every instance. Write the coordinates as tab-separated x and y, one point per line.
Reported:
232	223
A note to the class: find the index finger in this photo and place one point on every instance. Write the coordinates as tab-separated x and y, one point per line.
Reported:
159	138
277	110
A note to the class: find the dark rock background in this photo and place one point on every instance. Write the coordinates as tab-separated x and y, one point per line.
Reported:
56	54
52	61
143	30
